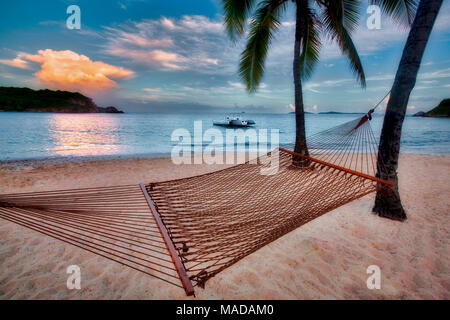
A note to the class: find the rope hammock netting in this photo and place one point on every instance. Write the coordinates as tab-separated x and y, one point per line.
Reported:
187	230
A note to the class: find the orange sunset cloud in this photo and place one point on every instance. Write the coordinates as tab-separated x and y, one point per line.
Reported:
17	62
68	70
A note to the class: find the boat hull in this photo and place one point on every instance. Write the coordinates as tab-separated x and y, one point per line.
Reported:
231	125
237	122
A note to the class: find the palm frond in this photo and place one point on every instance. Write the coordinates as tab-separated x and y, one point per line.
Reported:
333	18
348	12
311	44
236	14
351	14
403	11
262	27
349	49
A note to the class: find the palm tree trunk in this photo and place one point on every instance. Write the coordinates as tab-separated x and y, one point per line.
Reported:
300	135
387	202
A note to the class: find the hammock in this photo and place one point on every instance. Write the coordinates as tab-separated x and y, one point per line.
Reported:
185	231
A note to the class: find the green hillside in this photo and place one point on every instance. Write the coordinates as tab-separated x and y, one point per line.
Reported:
442	110
29	100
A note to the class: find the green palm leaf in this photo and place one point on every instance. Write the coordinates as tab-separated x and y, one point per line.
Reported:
403	11
262	27
349	49
310	44
236	14
351	14
338	17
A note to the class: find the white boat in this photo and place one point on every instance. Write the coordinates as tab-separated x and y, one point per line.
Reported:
230	121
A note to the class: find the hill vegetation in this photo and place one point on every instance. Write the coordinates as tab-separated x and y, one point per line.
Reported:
441	110
29	100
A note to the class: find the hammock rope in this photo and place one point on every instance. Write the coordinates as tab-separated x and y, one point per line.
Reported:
185	231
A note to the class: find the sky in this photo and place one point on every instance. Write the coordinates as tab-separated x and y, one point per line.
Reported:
174	56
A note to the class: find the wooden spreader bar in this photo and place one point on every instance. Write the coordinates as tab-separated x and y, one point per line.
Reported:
356	173
185	281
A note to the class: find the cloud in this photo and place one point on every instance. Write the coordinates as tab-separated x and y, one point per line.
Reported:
237	84
366	41
155	94
240	85
16	62
197	52
310	86
444	73
160	59
168	23
69	70
313	109
140	40
429	81
152	90
425	77
212	94
193	43
443	19
193	23
200	44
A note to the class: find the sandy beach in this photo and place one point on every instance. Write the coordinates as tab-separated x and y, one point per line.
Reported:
324	259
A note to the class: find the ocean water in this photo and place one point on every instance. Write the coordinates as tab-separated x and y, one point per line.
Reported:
52	135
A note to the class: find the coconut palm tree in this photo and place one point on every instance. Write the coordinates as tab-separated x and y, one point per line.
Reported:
388	204
335	19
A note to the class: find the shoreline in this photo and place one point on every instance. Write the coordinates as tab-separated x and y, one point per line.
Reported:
112	157
80	159
79	172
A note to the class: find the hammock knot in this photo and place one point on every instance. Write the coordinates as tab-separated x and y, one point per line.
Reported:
364	118
200	278
369	114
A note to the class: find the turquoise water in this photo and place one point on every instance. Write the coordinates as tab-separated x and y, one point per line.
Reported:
50	135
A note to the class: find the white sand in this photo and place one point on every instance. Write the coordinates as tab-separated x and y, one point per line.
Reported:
325	259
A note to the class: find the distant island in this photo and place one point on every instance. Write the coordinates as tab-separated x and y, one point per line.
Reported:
442	110
29	100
